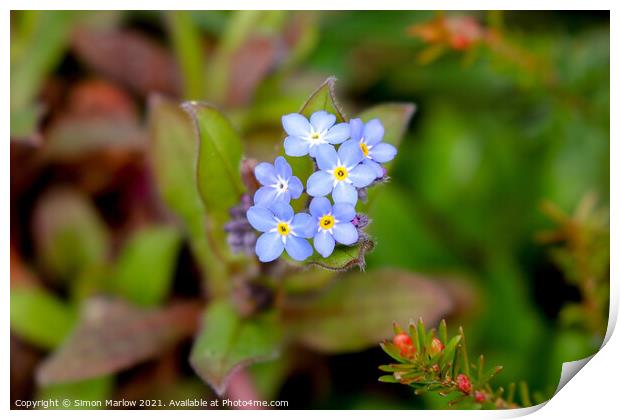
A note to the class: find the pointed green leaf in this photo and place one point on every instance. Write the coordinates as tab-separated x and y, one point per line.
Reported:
443	331
39	317
69	234
219	160
174	155
226	342
352	314
146	266
324	98
344	257
449	351
388	379
393	351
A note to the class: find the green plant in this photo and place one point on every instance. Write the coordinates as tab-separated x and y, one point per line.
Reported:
431	361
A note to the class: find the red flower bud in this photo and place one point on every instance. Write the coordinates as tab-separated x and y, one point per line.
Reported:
480	396
404	344
436	346
463	383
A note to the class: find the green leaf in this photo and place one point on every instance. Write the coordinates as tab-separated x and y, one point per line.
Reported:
90	391
113	335
188	49
226	342
35	51
443	331
323	98
69	234
344	257
352	314
40	317
388	379
173	155
219	160
146	265
449	351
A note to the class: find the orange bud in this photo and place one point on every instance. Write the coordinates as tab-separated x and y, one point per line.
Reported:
436	346
404	344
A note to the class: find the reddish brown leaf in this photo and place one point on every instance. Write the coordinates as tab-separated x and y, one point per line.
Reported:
249	65
128	57
112	336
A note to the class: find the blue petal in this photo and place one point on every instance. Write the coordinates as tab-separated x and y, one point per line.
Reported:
320	183
375	166
294	146
312	148
356	128
338	133
320	206
265	173
383	152
295	187
269	246
344	212
322	120
345	193
350	153
303	225
324	243
283	168
283	211
373	132
326	157
296	125
264	196
261	218
362	175
345	233
299	249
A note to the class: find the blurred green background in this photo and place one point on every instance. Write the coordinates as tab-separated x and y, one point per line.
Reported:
512	113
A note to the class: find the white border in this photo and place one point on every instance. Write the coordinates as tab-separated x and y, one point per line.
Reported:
591	394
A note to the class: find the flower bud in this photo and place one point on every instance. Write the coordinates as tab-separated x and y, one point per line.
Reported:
436	346
463	383
404	344
480	396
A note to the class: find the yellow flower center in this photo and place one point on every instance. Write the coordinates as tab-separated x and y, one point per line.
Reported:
340	173
327	222
364	148
315	136
283	229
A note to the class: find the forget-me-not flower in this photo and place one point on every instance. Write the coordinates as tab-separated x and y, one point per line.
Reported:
340	173
278	182
332	224
369	138
282	230
305	136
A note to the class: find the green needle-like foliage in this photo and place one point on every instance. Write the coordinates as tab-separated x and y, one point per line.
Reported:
426	363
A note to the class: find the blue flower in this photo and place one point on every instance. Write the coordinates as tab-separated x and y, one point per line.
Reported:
305	136
332	224
282	230
340	173
369	138
278	182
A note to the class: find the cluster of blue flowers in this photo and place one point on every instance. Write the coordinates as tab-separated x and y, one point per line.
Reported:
356	164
